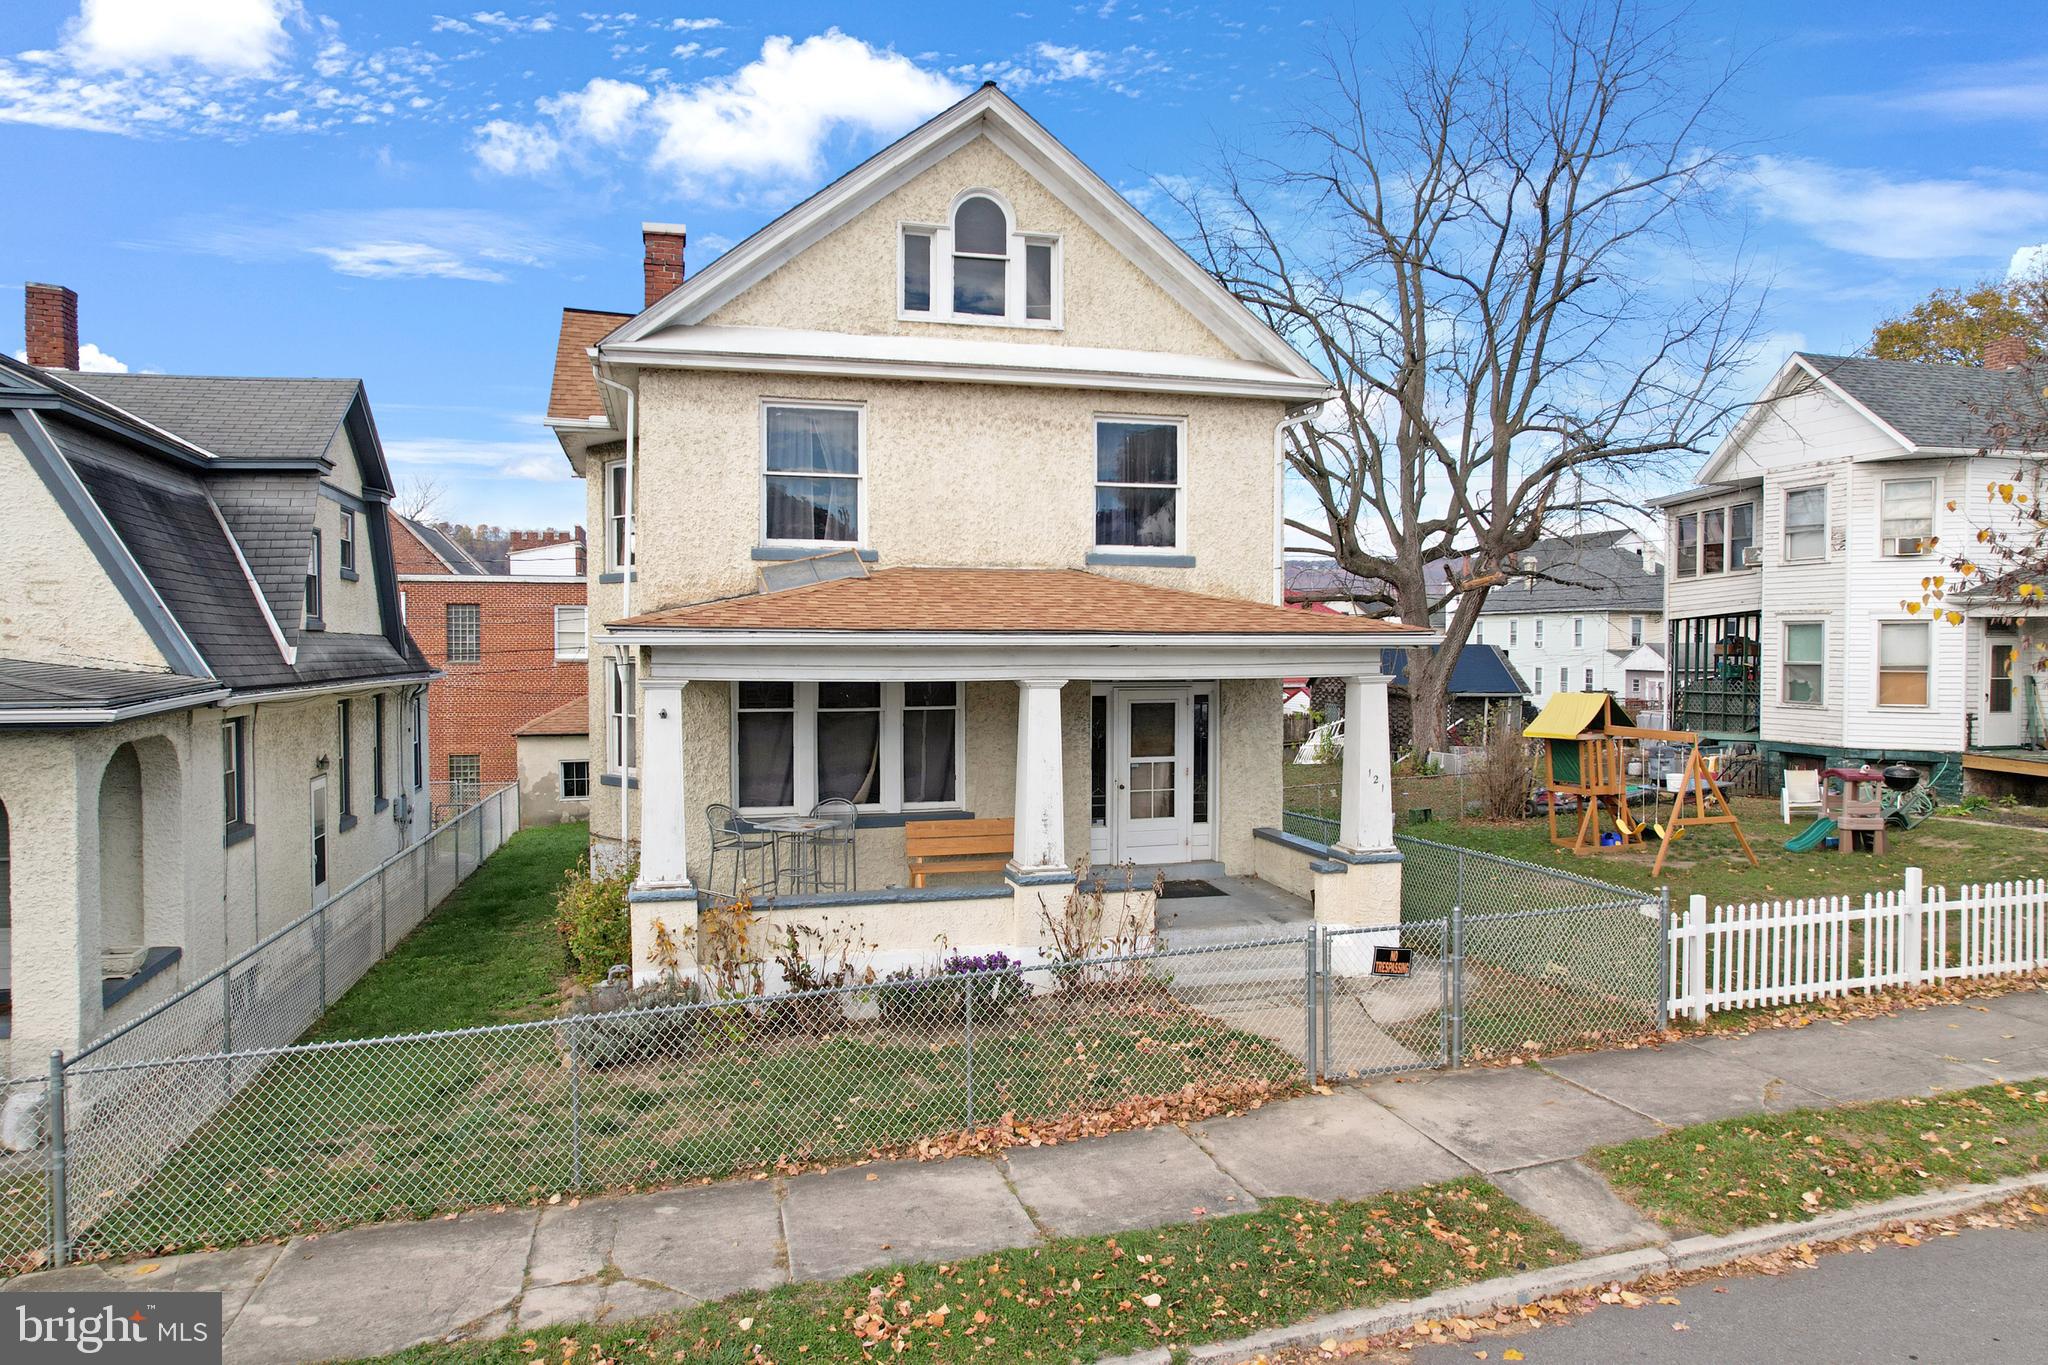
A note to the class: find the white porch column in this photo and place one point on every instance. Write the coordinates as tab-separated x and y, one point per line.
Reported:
664	823
1041	816
1366	817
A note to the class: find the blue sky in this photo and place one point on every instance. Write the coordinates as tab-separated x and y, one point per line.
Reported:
410	194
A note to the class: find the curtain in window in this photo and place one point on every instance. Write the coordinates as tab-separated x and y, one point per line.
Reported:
929	712
767	744
850	741
813	462
1137	473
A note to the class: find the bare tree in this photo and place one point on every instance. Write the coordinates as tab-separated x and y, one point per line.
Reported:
418	496
1489	246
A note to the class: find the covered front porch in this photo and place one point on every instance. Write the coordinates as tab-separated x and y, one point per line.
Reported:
2007	750
1129	735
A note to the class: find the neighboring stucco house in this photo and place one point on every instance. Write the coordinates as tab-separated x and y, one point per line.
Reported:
1794	602
1037	448
554	765
508	646
210	714
1573	611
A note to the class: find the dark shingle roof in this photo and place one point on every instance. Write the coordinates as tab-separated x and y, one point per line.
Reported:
1593	572
441	543
1481	671
1320	580
235	418
1938	406
25	685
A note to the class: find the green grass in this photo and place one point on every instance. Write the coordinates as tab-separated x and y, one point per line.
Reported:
332	1137
1744	1172
489	953
1085	1298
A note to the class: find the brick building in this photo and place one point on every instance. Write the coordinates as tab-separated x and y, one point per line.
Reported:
510	647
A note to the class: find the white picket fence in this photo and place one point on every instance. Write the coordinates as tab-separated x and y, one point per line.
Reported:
1782	952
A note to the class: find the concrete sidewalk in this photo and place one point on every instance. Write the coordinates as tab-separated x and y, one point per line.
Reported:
376	1289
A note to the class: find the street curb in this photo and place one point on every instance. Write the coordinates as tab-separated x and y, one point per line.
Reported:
1512	1291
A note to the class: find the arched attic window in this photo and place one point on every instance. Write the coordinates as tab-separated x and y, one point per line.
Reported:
981	257
978	266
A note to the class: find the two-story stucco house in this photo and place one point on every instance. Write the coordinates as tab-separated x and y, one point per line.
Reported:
954	492
1794	599
1582	613
210	712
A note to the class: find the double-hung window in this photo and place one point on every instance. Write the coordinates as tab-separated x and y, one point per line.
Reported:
811	486
981	258
1140	483
621	713
344	723
1906	512
883	746
234	766
1578	632
1904	659
1803	672
465	633
346	547
1635	632
313	585
572	632
1539	632
378	791
617	511
1713	540
1806	524
419	743
1741	534
1688	552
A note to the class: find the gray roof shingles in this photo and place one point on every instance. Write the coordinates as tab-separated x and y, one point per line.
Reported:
26	684
238	419
1593	572
1938	406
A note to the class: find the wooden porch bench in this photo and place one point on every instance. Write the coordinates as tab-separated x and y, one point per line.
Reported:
938	846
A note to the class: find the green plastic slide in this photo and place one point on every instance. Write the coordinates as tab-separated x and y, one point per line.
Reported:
1812	836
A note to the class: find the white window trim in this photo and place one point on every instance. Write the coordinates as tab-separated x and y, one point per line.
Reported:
1827	511
1729	562
1786	661
1578	632
562	778
804	758
616	531
314	608
581	652
1180	485
860	475
1885	538
613	748
1538	640
941	235
1878	670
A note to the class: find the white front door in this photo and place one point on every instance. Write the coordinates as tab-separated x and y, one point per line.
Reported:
1151	776
1998	723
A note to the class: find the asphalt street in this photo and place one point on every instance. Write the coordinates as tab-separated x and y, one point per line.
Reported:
1980	1296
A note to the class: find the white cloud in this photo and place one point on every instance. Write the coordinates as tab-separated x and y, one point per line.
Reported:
695	25
516	148
384	244
602	111
514	23
236	37
771	120
2028	261
1070	63
535	458
1872	214
1996	90
1052	63
91	360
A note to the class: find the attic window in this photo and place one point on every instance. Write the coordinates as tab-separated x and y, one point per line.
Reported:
977	267
981	257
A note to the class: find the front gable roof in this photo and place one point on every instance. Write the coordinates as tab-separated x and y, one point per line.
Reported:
987	112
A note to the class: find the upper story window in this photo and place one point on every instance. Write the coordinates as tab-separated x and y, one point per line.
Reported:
1906	508
572	632
1578	632
313	585
234	765
344	728
811	460
1806	523
977	267
616	511
1539	630
465	633
1140	483
1635	631
346	547
1716	540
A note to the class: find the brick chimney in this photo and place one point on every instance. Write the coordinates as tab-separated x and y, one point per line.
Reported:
2001	353
664	263
50	326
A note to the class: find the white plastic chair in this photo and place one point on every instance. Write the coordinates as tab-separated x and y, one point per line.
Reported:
1801	792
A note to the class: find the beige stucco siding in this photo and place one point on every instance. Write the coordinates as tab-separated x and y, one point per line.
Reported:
540	779
849	281
349	604
955	474
57	594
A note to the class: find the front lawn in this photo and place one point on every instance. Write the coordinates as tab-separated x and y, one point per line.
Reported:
1745	1172
1079	1299
487	955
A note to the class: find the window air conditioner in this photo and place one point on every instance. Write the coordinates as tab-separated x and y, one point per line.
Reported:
1908	547
1753	557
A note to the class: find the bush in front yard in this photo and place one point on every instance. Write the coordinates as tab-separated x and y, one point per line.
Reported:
592	919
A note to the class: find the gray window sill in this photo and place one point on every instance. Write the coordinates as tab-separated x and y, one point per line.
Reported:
779	552
236	833
1139	559
349	575
612	780
314	623
346	823
158	960
379	806
617	577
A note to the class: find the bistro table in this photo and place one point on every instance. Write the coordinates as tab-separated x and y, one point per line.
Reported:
799	834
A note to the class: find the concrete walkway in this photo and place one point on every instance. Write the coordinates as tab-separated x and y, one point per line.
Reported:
377	1289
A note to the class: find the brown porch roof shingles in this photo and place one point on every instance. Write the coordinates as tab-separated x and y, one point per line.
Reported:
572	717
1005	601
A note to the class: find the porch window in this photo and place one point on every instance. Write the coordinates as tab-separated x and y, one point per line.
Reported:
1803	673
812	487
1688	545
883	746
1806	524
1138	483
621	710
1741	534
931	725
1714	540
1904	658
1907	507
